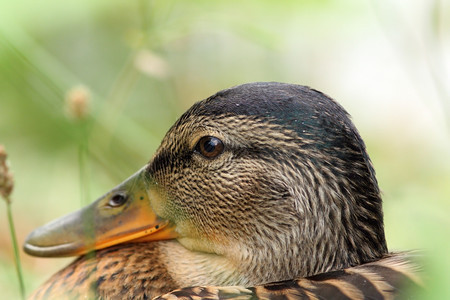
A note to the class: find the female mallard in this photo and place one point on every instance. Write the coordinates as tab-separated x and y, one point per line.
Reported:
260	183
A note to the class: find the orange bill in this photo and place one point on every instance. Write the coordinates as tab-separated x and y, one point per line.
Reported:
122	215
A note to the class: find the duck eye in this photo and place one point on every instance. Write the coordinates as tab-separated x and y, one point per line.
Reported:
117	200
209	147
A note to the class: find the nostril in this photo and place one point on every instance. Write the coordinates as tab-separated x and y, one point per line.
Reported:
117	200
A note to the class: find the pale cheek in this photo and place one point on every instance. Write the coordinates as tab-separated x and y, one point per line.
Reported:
157	201
190	239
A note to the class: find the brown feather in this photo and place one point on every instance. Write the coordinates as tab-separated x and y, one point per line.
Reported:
129	271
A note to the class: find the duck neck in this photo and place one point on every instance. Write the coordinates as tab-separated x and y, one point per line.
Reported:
191	268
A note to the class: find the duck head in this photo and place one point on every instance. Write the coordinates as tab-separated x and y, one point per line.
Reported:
272	178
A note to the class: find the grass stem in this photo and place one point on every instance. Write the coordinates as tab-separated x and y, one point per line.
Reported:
83	153
16	249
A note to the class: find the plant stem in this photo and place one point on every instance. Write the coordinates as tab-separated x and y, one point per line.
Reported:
16	250
83	164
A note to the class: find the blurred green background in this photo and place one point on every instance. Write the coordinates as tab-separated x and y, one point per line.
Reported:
143	63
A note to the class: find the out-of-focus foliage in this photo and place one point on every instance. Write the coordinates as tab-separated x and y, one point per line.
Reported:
143	63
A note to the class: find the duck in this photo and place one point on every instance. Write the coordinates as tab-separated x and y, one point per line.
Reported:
261	191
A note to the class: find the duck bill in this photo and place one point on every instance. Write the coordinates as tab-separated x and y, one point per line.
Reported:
122	215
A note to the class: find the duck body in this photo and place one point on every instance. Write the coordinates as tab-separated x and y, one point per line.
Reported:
391	277
260	183
135	271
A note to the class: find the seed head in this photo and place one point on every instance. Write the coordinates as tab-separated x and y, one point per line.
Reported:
78	102
152	64
6	177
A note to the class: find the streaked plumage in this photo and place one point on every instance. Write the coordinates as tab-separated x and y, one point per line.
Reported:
260	183
387	278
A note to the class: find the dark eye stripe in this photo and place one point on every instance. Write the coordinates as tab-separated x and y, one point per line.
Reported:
209	147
